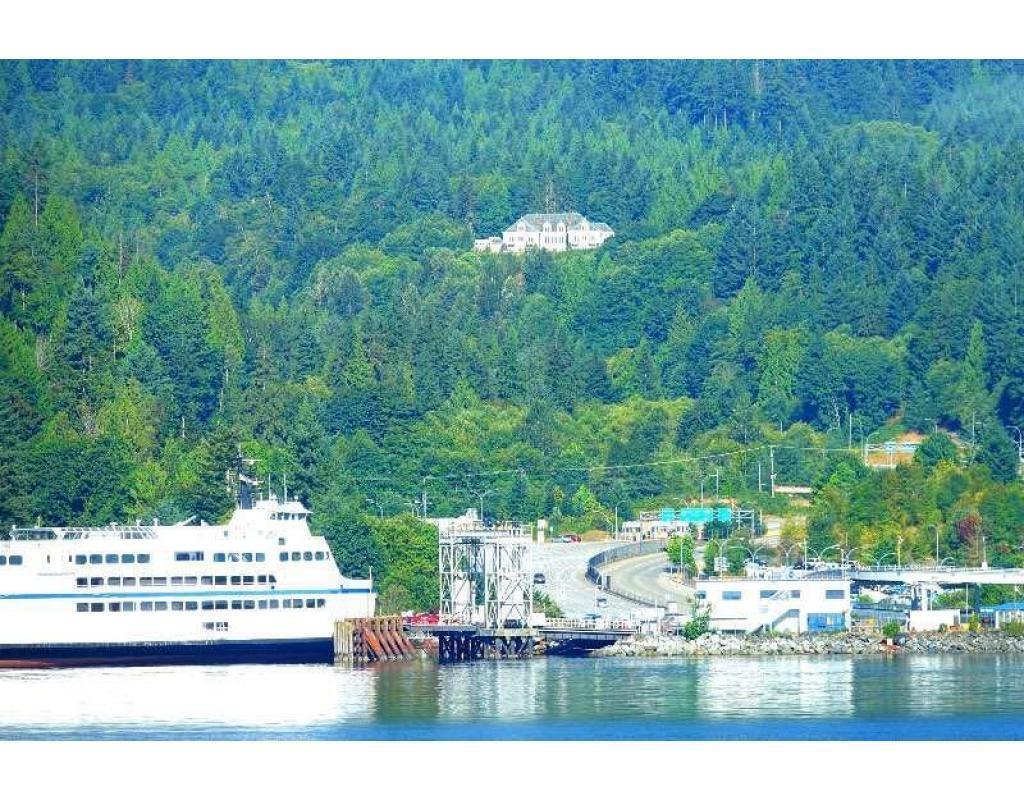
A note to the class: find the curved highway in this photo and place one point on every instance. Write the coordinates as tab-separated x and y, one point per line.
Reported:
648	576
564	567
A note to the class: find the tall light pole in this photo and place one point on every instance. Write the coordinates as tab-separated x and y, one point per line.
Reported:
899	545
380	507
480	497
1020	443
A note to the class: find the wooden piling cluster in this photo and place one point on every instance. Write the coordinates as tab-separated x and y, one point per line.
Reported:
368	639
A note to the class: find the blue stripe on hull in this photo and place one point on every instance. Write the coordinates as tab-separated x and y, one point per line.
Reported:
253	651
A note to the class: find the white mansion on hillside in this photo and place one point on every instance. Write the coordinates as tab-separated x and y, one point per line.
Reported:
555	232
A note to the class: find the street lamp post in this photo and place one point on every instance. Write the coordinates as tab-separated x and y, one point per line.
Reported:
899	545
380	507
880	559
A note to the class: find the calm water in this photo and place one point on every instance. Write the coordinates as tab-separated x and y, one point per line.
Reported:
910	697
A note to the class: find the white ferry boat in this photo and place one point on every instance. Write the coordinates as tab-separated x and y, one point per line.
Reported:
260	589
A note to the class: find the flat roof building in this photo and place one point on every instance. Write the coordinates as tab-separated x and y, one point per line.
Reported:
784	605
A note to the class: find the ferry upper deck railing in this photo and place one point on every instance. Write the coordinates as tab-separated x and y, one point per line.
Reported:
75	533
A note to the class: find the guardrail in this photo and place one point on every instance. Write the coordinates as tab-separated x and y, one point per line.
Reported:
571	623
649	547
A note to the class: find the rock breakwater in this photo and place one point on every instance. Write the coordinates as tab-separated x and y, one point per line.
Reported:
715	644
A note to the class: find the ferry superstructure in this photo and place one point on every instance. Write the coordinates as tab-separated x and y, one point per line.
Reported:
260	589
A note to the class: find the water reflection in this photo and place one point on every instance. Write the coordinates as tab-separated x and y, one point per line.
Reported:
232	696
596	697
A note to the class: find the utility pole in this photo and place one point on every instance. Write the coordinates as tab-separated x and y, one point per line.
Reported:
899	545
716	484
771	468
759	488
424	501
849	425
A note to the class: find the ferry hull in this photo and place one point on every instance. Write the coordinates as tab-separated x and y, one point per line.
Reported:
253	651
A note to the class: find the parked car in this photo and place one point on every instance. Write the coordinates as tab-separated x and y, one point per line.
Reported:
602	602
574	538
538	577
562	539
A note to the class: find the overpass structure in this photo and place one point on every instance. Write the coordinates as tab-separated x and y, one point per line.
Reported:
943	576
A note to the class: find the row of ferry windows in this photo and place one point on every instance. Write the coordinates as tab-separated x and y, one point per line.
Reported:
181	580
205	605
191	555
10	561
319	555
113	558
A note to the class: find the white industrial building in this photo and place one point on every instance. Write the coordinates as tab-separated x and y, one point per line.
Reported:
784	605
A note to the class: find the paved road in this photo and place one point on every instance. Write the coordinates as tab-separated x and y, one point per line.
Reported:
565	568
647	575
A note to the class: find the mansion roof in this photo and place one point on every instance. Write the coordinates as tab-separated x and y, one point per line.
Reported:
571	220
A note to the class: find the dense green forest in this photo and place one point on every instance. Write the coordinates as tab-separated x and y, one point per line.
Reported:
197	257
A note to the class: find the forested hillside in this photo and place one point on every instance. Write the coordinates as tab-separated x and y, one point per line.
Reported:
196	256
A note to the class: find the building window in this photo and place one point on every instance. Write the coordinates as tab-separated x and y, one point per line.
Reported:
128	582
177	605
128	558
825	622
81	607
307	556
189	555
114	607
766	593
78	559
191	605
247	580
146	605
111	558
220	580
206	580
732	595
219	557
130	606
311	603
296	556
261	556
143	558
95	558
262	604
702	595
261	579
246	556
273	604
794	593
177	580
220	605
236	605
835	594
284	556
320	555
236	580
190	580
95	607
207	605
145	581
249	605
96	582
78	581
113	581
159	581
